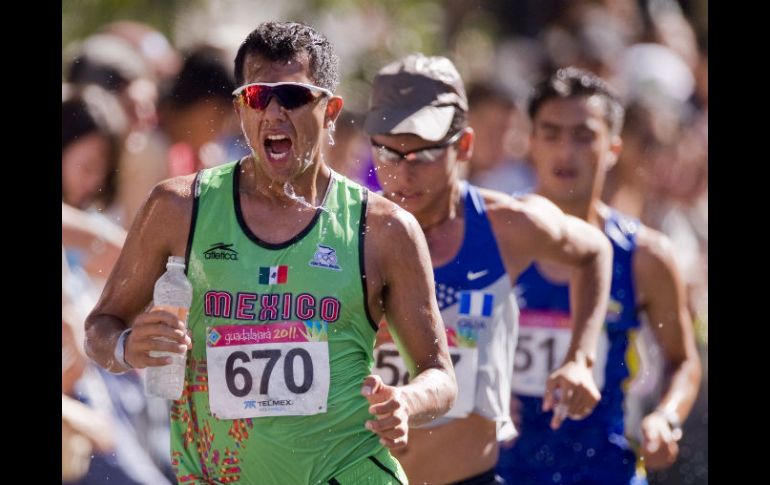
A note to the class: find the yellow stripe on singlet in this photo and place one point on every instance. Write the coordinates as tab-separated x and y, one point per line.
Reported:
634	365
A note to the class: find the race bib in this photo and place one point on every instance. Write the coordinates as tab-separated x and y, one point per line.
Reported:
389	365
277	369
544	338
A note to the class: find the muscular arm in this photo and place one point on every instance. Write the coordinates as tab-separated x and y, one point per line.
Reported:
402	280
662	297
535	229
159	230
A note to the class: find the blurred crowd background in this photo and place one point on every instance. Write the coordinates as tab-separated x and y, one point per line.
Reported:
146	95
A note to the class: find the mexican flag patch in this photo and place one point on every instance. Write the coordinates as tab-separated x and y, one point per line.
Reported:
273	275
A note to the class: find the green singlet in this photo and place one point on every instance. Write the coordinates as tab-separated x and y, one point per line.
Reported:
282	340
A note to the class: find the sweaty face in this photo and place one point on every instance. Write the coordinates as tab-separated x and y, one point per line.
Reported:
285	142
413	184
571	147
84	170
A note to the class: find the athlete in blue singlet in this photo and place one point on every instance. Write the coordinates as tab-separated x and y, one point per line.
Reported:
576	122
479	242
596	445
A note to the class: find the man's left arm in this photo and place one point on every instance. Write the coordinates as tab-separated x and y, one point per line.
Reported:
662	294
407	297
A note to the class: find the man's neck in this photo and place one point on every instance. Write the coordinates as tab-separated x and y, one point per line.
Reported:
446	209
308	186
586	209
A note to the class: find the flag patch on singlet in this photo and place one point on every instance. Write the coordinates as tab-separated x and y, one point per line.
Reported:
273	275
476	303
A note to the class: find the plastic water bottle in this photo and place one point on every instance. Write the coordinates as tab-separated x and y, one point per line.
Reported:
173	293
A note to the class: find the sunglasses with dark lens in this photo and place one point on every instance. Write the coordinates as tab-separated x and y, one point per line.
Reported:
290	95
422	155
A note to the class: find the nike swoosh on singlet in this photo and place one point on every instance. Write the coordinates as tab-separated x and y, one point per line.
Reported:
476	275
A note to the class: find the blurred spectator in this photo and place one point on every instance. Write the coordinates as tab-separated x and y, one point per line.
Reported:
91	242
112	63
163	60
121	399
83	432
654	72
193	114
103	435
502	134
670	28
93	127
588	36
649	134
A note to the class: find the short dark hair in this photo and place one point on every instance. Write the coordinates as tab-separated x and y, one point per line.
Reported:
286	41
204	74
480	92
571	82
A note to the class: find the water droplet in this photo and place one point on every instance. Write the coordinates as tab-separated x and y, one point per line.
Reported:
577	446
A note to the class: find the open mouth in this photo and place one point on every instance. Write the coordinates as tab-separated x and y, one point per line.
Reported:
565	173
277	147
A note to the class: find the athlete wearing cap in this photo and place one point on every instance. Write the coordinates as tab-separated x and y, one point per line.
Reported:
479	242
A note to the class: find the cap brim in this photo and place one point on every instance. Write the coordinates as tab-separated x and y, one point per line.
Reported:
430	122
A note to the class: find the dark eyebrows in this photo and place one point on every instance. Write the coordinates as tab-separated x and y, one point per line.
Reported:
548	126
554	127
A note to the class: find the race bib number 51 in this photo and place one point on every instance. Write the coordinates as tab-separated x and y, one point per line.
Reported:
544	338
278	369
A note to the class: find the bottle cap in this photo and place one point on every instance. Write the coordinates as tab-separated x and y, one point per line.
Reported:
176	261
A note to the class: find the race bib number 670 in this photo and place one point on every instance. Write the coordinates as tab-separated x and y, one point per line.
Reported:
279	369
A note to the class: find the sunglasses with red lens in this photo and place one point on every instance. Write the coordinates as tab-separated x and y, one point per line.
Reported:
290	95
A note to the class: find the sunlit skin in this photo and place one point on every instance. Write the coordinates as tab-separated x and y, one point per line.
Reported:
274	214
525	229
572	148
84	169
